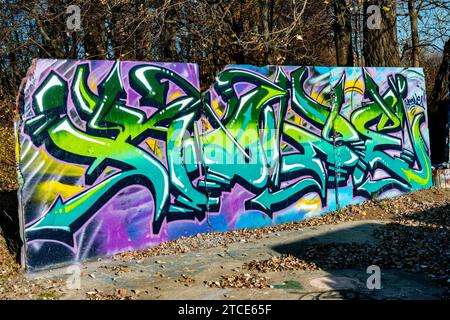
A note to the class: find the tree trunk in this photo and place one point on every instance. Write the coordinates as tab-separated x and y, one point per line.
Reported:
267	16
170	35
343	33
414	33
438	109
441	84
380	44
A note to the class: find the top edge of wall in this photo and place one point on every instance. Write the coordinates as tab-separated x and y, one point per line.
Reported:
237	65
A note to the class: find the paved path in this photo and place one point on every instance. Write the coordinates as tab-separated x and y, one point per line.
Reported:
161	277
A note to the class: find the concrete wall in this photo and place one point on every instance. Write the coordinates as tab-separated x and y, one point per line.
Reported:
441	177
115	156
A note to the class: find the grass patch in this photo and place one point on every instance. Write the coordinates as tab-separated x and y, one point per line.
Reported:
288	285
47	295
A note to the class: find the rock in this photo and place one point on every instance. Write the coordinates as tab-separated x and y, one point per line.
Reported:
121	291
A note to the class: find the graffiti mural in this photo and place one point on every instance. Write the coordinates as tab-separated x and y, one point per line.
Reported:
117	156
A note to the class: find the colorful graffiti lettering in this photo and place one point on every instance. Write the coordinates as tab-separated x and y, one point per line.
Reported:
415	101
124	155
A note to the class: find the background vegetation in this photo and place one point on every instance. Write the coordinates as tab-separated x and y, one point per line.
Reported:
214	33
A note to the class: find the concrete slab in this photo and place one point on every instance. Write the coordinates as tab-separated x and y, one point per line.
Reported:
183	276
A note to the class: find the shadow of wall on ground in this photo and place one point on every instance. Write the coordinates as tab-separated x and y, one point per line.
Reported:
413	247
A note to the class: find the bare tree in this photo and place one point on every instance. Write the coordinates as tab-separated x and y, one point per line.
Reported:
428	22
343	32
413	15
380	44
438	110
439	96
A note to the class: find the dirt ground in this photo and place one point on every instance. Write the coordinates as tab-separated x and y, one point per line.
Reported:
321	258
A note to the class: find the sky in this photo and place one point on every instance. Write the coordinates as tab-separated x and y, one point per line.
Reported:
434	27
